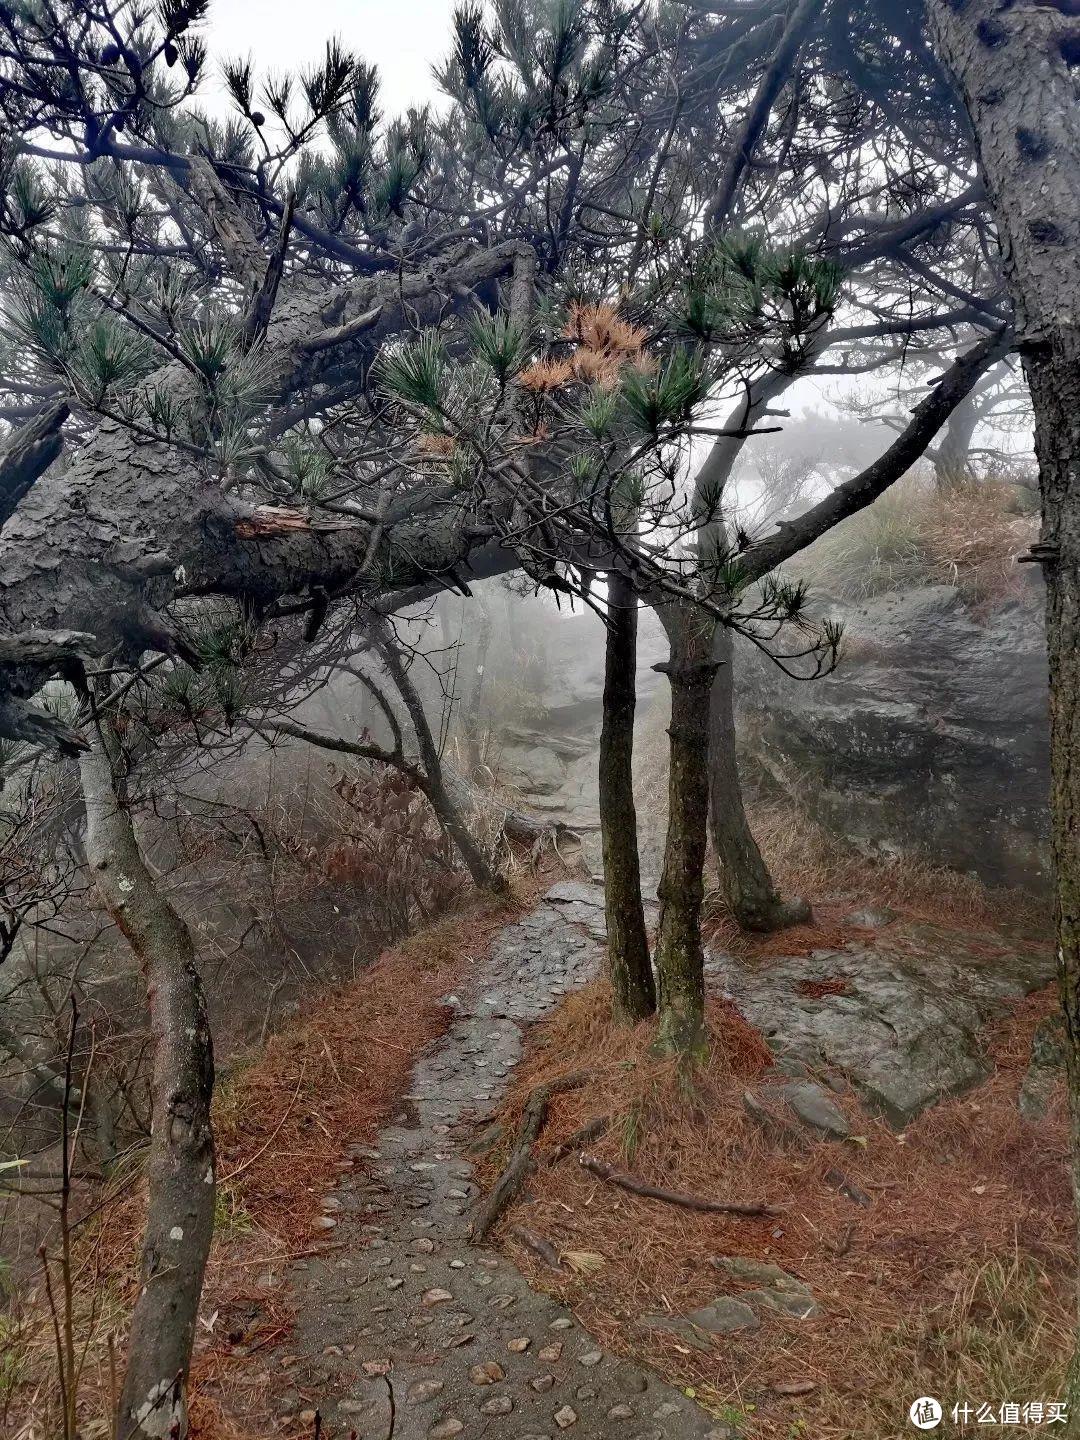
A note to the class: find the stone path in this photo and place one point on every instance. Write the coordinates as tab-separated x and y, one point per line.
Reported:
419	1332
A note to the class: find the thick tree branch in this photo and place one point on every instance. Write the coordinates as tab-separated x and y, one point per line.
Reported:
800	19
134	524
28	454
862	489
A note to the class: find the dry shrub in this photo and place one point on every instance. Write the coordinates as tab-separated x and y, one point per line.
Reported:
955	1281
967	535
390	856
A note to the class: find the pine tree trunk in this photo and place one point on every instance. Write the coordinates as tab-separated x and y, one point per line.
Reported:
745	881
629	967
181	1173
680	960
1017	73
744	877
951	463
1055	390
435	789
472	729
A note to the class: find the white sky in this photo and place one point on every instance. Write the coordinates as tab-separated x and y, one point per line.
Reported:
403	38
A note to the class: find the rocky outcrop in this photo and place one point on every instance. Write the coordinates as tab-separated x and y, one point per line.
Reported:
930	739
897	1020
549	753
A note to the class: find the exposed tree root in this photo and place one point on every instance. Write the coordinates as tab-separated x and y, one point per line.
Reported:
611	1176
539	1246
590	1131
520	1163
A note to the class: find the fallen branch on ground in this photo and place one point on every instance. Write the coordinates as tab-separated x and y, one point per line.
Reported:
590	1131
611	1176
850	1191
539	1246
520	1163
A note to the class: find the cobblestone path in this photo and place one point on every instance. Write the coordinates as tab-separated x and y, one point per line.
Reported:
410	1330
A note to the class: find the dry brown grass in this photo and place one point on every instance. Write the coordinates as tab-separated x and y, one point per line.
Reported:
806	859
954	1282
967	535
347	1061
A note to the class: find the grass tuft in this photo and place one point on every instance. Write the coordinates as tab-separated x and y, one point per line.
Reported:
916	534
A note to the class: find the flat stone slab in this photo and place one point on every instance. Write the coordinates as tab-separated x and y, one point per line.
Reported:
679	1326
872	919
724	1316
802	1306
814	1108
761	1272
899	1019
453	1330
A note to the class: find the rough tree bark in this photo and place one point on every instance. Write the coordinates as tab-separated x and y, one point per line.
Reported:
679	954
691	669
181	1167
28	454
629	967
747	885
1018	71
133	523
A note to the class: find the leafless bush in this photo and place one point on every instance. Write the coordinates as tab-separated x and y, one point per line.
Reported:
391	856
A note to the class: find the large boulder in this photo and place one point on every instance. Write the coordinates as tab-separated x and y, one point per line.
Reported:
898	1020
930	739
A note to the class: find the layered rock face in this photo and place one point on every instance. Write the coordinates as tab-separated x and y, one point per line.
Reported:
931	739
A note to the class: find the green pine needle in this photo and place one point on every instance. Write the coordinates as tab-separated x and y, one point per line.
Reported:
416	372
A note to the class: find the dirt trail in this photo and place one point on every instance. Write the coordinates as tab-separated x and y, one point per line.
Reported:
465	1347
